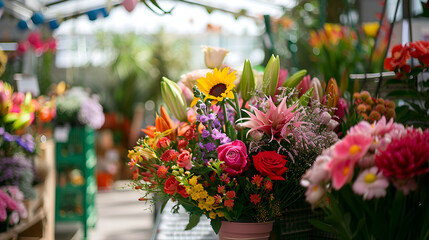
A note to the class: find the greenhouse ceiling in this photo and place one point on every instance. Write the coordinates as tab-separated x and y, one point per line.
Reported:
52	9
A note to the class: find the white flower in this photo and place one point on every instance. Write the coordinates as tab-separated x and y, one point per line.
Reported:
314	194
370	183
214	56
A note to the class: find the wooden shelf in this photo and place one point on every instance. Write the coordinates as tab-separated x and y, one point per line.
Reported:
40	223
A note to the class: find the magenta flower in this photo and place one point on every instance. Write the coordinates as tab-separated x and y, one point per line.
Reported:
234	156
405	157
276	122
371	183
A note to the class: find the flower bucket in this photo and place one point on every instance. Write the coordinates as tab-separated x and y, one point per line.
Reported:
248	231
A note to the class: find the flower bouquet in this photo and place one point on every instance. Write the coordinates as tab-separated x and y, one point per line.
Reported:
233	157
373	183
78	108
17	147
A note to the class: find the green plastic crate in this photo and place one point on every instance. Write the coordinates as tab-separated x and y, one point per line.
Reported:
77	203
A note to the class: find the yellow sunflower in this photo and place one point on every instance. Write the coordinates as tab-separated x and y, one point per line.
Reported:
216	86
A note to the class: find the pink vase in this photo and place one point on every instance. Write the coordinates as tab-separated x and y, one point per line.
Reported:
242	231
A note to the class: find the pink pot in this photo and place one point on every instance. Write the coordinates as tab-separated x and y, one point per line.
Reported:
245	231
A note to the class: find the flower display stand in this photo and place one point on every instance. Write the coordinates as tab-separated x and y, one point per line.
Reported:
41	216
76	182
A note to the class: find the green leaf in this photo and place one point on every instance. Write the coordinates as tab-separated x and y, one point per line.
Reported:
305	98
193	221
321	225
416	107
216	224
403	94
232	132
163	205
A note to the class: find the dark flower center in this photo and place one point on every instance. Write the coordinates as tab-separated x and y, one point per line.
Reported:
217	90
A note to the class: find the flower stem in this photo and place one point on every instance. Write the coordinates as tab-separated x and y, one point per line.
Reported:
237	105
225	118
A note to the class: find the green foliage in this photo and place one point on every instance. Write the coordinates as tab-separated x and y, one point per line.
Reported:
137	68
194	219
392	217
413	94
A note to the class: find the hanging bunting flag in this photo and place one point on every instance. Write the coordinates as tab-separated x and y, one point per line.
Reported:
54	24
129	5
103	12
37	18
92	15
1	8
22	25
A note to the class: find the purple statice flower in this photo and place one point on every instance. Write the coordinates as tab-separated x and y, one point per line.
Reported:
205	133
225	139
91	113
201	145
212	116
1	131
11	169
210	146
26	141
216	134
216	123
9	137
203	119
230	113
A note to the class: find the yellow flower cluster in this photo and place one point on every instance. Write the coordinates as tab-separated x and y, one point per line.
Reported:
141	153
205	201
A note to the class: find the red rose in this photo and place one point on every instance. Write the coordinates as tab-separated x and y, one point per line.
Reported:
398	59
184	160
171	185
234	156
271	164
420	50
182	191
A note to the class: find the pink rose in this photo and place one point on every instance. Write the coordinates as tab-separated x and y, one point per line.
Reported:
234	156
184	160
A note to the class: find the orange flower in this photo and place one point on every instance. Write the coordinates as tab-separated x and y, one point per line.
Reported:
257	180
162	123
